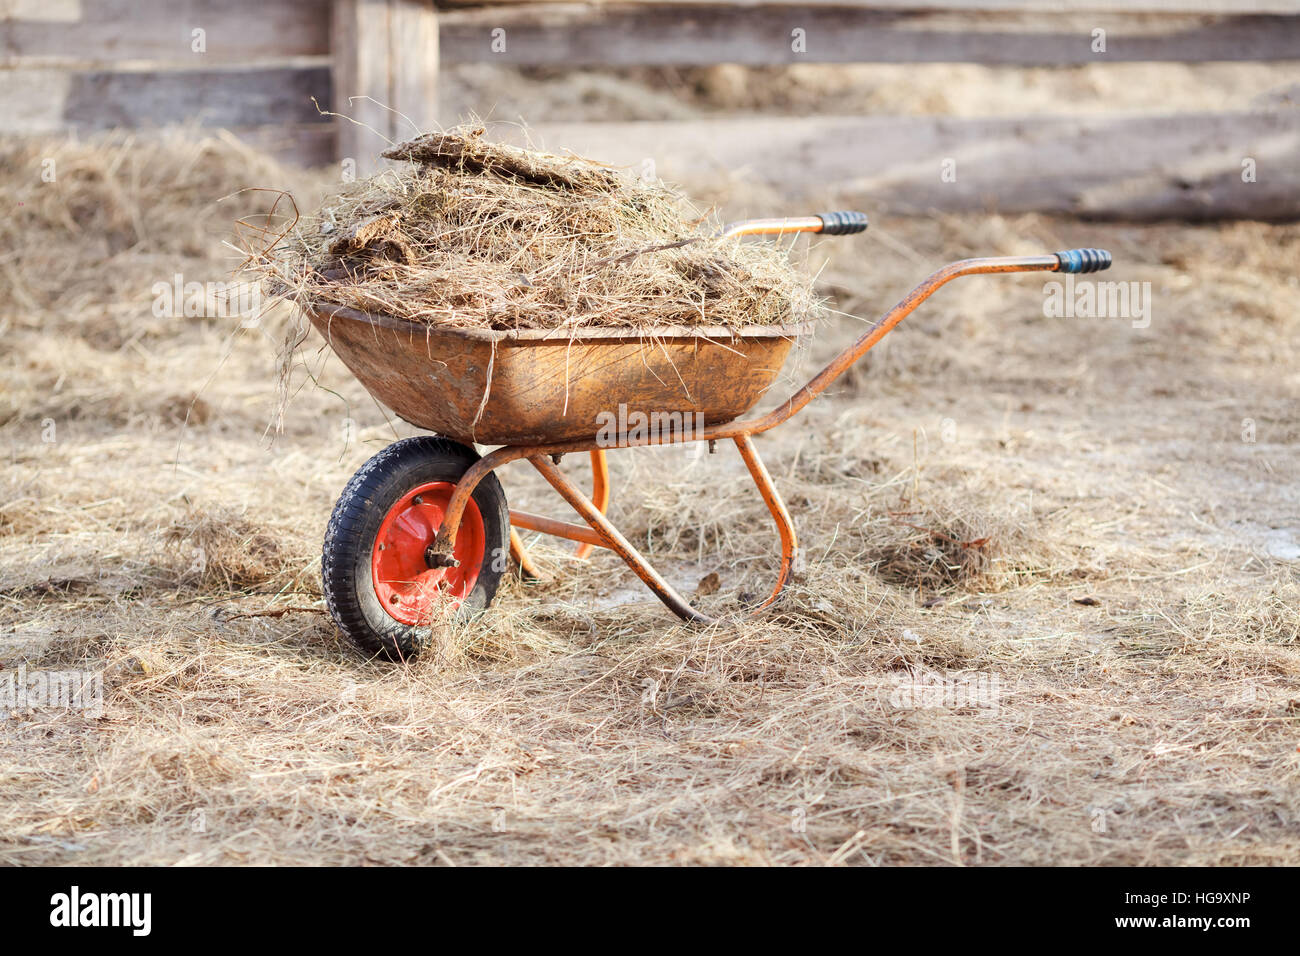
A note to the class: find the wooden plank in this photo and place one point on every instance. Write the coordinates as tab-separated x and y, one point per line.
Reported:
385	74
66	11
106	99
31	101
101	32
50	100
1140	167
667	35
269	108
664	32
1045	7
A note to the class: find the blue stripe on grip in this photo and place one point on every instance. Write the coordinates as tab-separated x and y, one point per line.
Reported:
1083	260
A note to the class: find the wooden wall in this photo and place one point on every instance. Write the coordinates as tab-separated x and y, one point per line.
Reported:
275	71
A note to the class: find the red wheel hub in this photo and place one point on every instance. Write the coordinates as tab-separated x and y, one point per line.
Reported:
407	588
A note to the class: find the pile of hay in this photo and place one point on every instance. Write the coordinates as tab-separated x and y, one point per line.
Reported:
475	234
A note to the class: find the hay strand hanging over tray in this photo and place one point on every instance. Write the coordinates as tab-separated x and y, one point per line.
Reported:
476	234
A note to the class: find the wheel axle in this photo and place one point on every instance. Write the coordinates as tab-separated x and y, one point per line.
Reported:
436	559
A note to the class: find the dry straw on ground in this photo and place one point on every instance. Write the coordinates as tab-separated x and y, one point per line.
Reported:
476	234
1096	535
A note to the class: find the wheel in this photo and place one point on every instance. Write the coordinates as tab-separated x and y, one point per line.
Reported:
380	590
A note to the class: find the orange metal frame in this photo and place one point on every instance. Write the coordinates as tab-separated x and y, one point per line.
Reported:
599	532
588	539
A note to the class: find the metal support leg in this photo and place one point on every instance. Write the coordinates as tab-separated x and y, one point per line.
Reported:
600	498
609	536
522	558
784	526
615	541
599	492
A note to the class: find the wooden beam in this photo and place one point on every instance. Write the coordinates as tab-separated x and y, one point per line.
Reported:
102	33
1044	7
50	100
1187	166
385	75
194	34
674	35
271	108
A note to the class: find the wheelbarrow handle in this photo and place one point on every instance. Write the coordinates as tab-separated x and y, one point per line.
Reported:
1072	260
844	223
1083	260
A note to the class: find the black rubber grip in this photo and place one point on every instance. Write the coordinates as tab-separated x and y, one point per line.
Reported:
843	223
1083	260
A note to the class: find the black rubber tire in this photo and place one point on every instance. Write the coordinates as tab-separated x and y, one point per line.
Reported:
358	514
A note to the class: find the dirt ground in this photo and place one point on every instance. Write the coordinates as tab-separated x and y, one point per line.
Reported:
1048	613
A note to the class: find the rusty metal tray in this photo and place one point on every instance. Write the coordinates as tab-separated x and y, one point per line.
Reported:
538	386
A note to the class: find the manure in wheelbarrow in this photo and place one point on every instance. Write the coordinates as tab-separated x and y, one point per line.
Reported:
475	234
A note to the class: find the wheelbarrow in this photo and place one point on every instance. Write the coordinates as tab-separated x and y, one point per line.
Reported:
423	529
